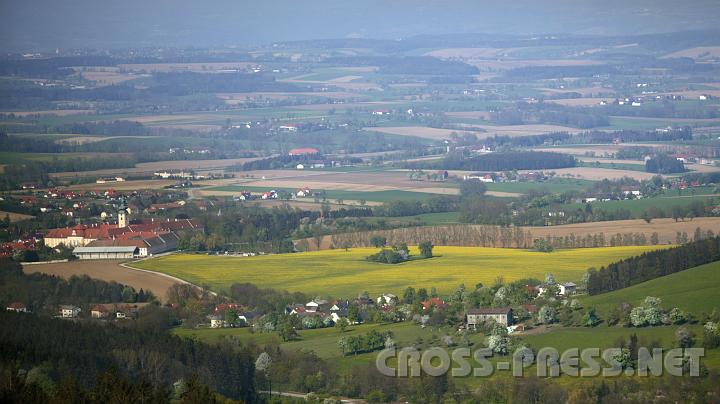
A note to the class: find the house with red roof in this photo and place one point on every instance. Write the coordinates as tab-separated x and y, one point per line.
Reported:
435	302
16	307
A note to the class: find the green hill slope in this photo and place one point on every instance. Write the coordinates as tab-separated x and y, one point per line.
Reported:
696	290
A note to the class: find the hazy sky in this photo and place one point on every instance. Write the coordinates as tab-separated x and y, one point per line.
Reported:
47	24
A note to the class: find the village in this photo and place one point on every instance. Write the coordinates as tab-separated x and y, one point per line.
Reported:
526	307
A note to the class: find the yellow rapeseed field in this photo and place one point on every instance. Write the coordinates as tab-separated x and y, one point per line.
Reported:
343	273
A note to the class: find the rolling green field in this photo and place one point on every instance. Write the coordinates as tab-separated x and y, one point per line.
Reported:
613	166
638	206
694	290
425	219
603	337
343	273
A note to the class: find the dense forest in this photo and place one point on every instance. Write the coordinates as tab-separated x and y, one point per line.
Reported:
664	164
594	136
505	161
60	349
652	265
41	292
527	113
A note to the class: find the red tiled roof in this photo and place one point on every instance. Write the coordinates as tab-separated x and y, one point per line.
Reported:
303	150
490	310
108	231
433	301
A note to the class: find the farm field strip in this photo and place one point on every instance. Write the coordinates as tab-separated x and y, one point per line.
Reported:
480	131
14	217
344	273
109	271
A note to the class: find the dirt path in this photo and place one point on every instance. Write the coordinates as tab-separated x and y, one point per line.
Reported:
109	270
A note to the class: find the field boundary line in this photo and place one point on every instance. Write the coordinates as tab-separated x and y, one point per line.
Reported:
44	262
179	280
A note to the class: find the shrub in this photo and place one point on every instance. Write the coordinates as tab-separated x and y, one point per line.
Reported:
387	256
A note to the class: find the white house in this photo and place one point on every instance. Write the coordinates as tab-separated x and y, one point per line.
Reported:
387	298
67	311
99	311
16	307
288	128
217	322
314	305
337	315
564	289
501	315
567	288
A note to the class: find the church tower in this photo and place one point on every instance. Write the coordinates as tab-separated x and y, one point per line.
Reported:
122	215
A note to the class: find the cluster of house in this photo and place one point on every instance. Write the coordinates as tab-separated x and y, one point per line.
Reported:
304	192
626	192
500	176
105	180
180	175
99	311
219	318
7	249
179	150
124	240
334	310
116	310
52	200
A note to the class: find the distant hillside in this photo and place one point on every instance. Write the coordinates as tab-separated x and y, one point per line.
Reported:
694	290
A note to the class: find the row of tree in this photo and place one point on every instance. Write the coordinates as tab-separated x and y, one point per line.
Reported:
503	161
497	236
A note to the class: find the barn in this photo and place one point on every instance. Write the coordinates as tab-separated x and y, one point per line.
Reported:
106	253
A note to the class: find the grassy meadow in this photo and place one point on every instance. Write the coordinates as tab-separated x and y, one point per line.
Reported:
694	290
342	273
638	206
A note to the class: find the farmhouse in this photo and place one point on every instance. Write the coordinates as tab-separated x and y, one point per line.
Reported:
288	127
216	321
245	196
564	289
147	242
68	311
302	151
99	311
105	180
316	305
501	315
435	302
387	298
106	253
16	307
